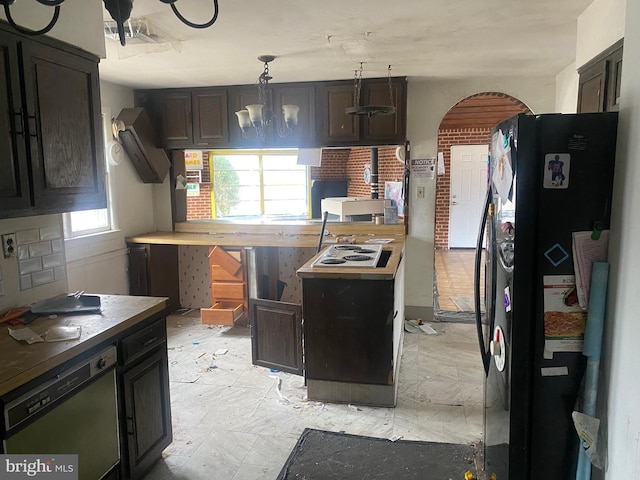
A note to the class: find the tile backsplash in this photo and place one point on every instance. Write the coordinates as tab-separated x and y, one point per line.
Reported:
40	256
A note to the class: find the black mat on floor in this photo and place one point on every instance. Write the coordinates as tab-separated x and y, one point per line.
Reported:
321	455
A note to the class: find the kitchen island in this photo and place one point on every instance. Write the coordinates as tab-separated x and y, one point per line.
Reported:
123	348
353	329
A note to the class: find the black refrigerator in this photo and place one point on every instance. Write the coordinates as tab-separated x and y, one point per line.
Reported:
548	176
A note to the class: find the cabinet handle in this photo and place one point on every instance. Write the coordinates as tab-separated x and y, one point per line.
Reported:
150	341
35	126
131	429
20	115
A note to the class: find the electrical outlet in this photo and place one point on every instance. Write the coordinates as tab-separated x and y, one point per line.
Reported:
9	245
420	192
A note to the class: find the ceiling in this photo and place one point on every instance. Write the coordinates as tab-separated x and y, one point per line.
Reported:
327	40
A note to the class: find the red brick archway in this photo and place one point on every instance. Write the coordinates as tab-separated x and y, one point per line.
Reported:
469	122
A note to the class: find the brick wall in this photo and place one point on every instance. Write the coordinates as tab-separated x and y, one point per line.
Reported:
334	164
389	170
469	122
446	139
200	206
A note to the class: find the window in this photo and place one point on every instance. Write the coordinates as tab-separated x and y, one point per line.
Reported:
259	183
86	222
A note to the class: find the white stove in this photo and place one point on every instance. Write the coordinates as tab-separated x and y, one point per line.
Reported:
349	256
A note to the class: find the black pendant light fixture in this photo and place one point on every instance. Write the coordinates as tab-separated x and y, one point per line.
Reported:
118	9
369	110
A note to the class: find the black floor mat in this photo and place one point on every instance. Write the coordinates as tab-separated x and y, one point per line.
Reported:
321	455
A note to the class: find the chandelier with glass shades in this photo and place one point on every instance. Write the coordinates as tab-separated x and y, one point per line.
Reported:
118	9
259	116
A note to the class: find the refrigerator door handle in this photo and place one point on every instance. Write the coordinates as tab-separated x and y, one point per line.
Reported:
486	358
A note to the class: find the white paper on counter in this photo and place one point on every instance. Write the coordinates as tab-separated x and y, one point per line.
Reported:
25	334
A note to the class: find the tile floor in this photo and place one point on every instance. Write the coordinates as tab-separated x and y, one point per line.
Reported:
236	421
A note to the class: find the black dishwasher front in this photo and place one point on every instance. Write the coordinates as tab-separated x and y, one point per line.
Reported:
70	412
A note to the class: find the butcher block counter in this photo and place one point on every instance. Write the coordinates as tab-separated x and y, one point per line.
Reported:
20	362
303	233
121	357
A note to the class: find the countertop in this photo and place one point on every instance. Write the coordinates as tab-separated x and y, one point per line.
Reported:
21	362
268	234
387	272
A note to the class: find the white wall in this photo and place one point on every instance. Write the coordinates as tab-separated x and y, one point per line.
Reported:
80	22
602	23
567	90
99	263
621	383
427	103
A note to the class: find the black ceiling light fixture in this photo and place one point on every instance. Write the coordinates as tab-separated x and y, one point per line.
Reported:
261	114
118	9
369	110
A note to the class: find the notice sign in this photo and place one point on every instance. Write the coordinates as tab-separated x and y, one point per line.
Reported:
49	466
423	167
193	160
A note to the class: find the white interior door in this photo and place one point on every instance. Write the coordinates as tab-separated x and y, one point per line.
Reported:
468	189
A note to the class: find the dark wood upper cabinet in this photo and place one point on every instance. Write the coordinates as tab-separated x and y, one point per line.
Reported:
210	119
385	128
240	97
599	83
177	119
302	95
206	117
52	127
14	181
338	128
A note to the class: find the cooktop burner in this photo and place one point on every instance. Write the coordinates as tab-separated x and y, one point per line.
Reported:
332	261
349	255
357	258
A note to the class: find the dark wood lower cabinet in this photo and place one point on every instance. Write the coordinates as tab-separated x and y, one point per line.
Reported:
143	379
153	271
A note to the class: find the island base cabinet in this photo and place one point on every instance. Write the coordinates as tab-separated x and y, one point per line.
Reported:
144	398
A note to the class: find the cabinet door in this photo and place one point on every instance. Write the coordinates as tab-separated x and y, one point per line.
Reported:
62	95
338	127
591	89
210	121
276	335
147	412
177	126
14	180
240	97
384	128
614	78
138	269
304	134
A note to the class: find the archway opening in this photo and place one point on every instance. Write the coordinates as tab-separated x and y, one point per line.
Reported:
463	130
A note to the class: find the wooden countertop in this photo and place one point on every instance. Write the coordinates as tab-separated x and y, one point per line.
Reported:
21	362
387	272
275	234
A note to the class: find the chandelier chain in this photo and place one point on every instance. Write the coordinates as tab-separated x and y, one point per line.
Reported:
390	87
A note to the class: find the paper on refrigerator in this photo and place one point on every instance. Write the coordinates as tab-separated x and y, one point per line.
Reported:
564	320
586	250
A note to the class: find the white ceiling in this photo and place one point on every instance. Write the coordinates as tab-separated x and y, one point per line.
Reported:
327	40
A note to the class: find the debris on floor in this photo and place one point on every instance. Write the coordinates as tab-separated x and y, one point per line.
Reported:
417	326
